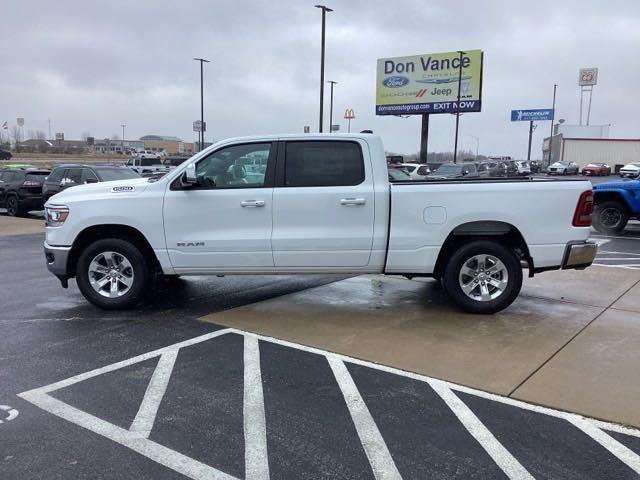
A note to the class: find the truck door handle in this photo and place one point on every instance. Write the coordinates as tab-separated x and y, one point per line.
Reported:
353	201
252	203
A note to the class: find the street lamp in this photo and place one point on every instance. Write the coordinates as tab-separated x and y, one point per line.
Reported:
202	61
324	13
331	107
123	125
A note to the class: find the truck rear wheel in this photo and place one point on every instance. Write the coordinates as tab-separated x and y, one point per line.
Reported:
112	274
610	217
483	276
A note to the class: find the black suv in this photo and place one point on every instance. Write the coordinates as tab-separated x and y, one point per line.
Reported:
21	190
65	176
5	154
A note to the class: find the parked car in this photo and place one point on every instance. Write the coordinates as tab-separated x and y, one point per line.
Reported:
615	203
148	155
597	169
454	170
536	166
493	168
5	154
398	175
523	168
327	207
70	175
147	166
173	161
21	190
417	171
563	168
632	170
511	168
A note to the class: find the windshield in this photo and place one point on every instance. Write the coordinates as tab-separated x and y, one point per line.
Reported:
109	174
448	170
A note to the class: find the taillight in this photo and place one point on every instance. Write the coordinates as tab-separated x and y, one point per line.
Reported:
582	216
30	183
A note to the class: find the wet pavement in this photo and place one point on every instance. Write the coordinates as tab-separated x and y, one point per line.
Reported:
156	393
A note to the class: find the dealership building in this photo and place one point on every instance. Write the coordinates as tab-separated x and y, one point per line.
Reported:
584	144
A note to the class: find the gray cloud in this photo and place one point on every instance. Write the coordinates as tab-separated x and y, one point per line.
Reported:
94	65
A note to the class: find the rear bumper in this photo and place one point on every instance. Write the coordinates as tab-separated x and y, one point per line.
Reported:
57	261
579	255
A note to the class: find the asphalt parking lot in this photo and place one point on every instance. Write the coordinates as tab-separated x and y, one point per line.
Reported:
156	393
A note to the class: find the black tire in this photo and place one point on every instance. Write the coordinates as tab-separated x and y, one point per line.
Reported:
14	209
466	253
610	217
141	276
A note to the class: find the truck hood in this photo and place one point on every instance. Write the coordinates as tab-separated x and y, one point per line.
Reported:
129	188
626	185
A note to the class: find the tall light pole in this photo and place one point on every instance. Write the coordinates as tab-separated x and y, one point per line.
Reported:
202	62
324	13
123	125
553	114
455	148
331	107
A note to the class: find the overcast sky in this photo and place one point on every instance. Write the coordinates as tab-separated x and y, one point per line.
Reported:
90	66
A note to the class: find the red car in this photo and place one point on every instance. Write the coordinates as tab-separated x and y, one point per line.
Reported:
597	169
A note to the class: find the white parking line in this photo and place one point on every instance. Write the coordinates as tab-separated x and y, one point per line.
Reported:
507	462
146	416
383	466
255	426
256	458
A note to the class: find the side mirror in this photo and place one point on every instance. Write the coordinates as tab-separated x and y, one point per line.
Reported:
189	176
91	180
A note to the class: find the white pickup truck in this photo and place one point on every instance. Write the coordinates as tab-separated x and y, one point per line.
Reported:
320	204
147	162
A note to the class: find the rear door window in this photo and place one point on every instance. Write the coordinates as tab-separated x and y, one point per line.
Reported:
56	175
323	164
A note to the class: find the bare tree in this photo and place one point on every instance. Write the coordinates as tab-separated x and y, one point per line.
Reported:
39	135
16	135
85	135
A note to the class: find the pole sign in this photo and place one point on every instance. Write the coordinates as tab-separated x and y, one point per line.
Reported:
536	115
60	136
20	121
349	114
425	84
199	126
588	76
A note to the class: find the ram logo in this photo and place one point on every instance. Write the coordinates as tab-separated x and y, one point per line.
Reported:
123	188
190	244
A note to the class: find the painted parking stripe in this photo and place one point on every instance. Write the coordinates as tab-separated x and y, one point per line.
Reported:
507	462
383	466
146	416
373	443
255	428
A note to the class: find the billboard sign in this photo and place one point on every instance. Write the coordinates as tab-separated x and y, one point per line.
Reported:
588	76
429	83
60	136
536	115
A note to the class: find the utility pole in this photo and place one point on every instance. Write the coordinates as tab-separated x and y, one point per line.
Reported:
202	129
455	148
331	107
49	120
324	13
531	128
553	114
123	125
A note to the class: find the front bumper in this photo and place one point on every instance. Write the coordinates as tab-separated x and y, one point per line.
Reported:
579	255
57	261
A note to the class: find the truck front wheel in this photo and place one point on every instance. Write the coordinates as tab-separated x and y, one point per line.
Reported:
112	274
610	217
483	276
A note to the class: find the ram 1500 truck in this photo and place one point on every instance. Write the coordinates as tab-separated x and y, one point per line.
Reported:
320	204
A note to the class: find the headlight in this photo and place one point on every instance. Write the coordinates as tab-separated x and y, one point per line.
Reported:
55	216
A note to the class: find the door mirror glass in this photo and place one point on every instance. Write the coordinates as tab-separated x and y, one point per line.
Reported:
189	176
91	180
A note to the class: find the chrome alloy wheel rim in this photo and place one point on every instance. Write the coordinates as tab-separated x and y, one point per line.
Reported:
483	278
111	274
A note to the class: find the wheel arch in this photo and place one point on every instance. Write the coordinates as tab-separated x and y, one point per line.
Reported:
504	232
621	196
99	232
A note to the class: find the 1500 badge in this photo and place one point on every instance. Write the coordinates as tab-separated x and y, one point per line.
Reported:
123	188
190	244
